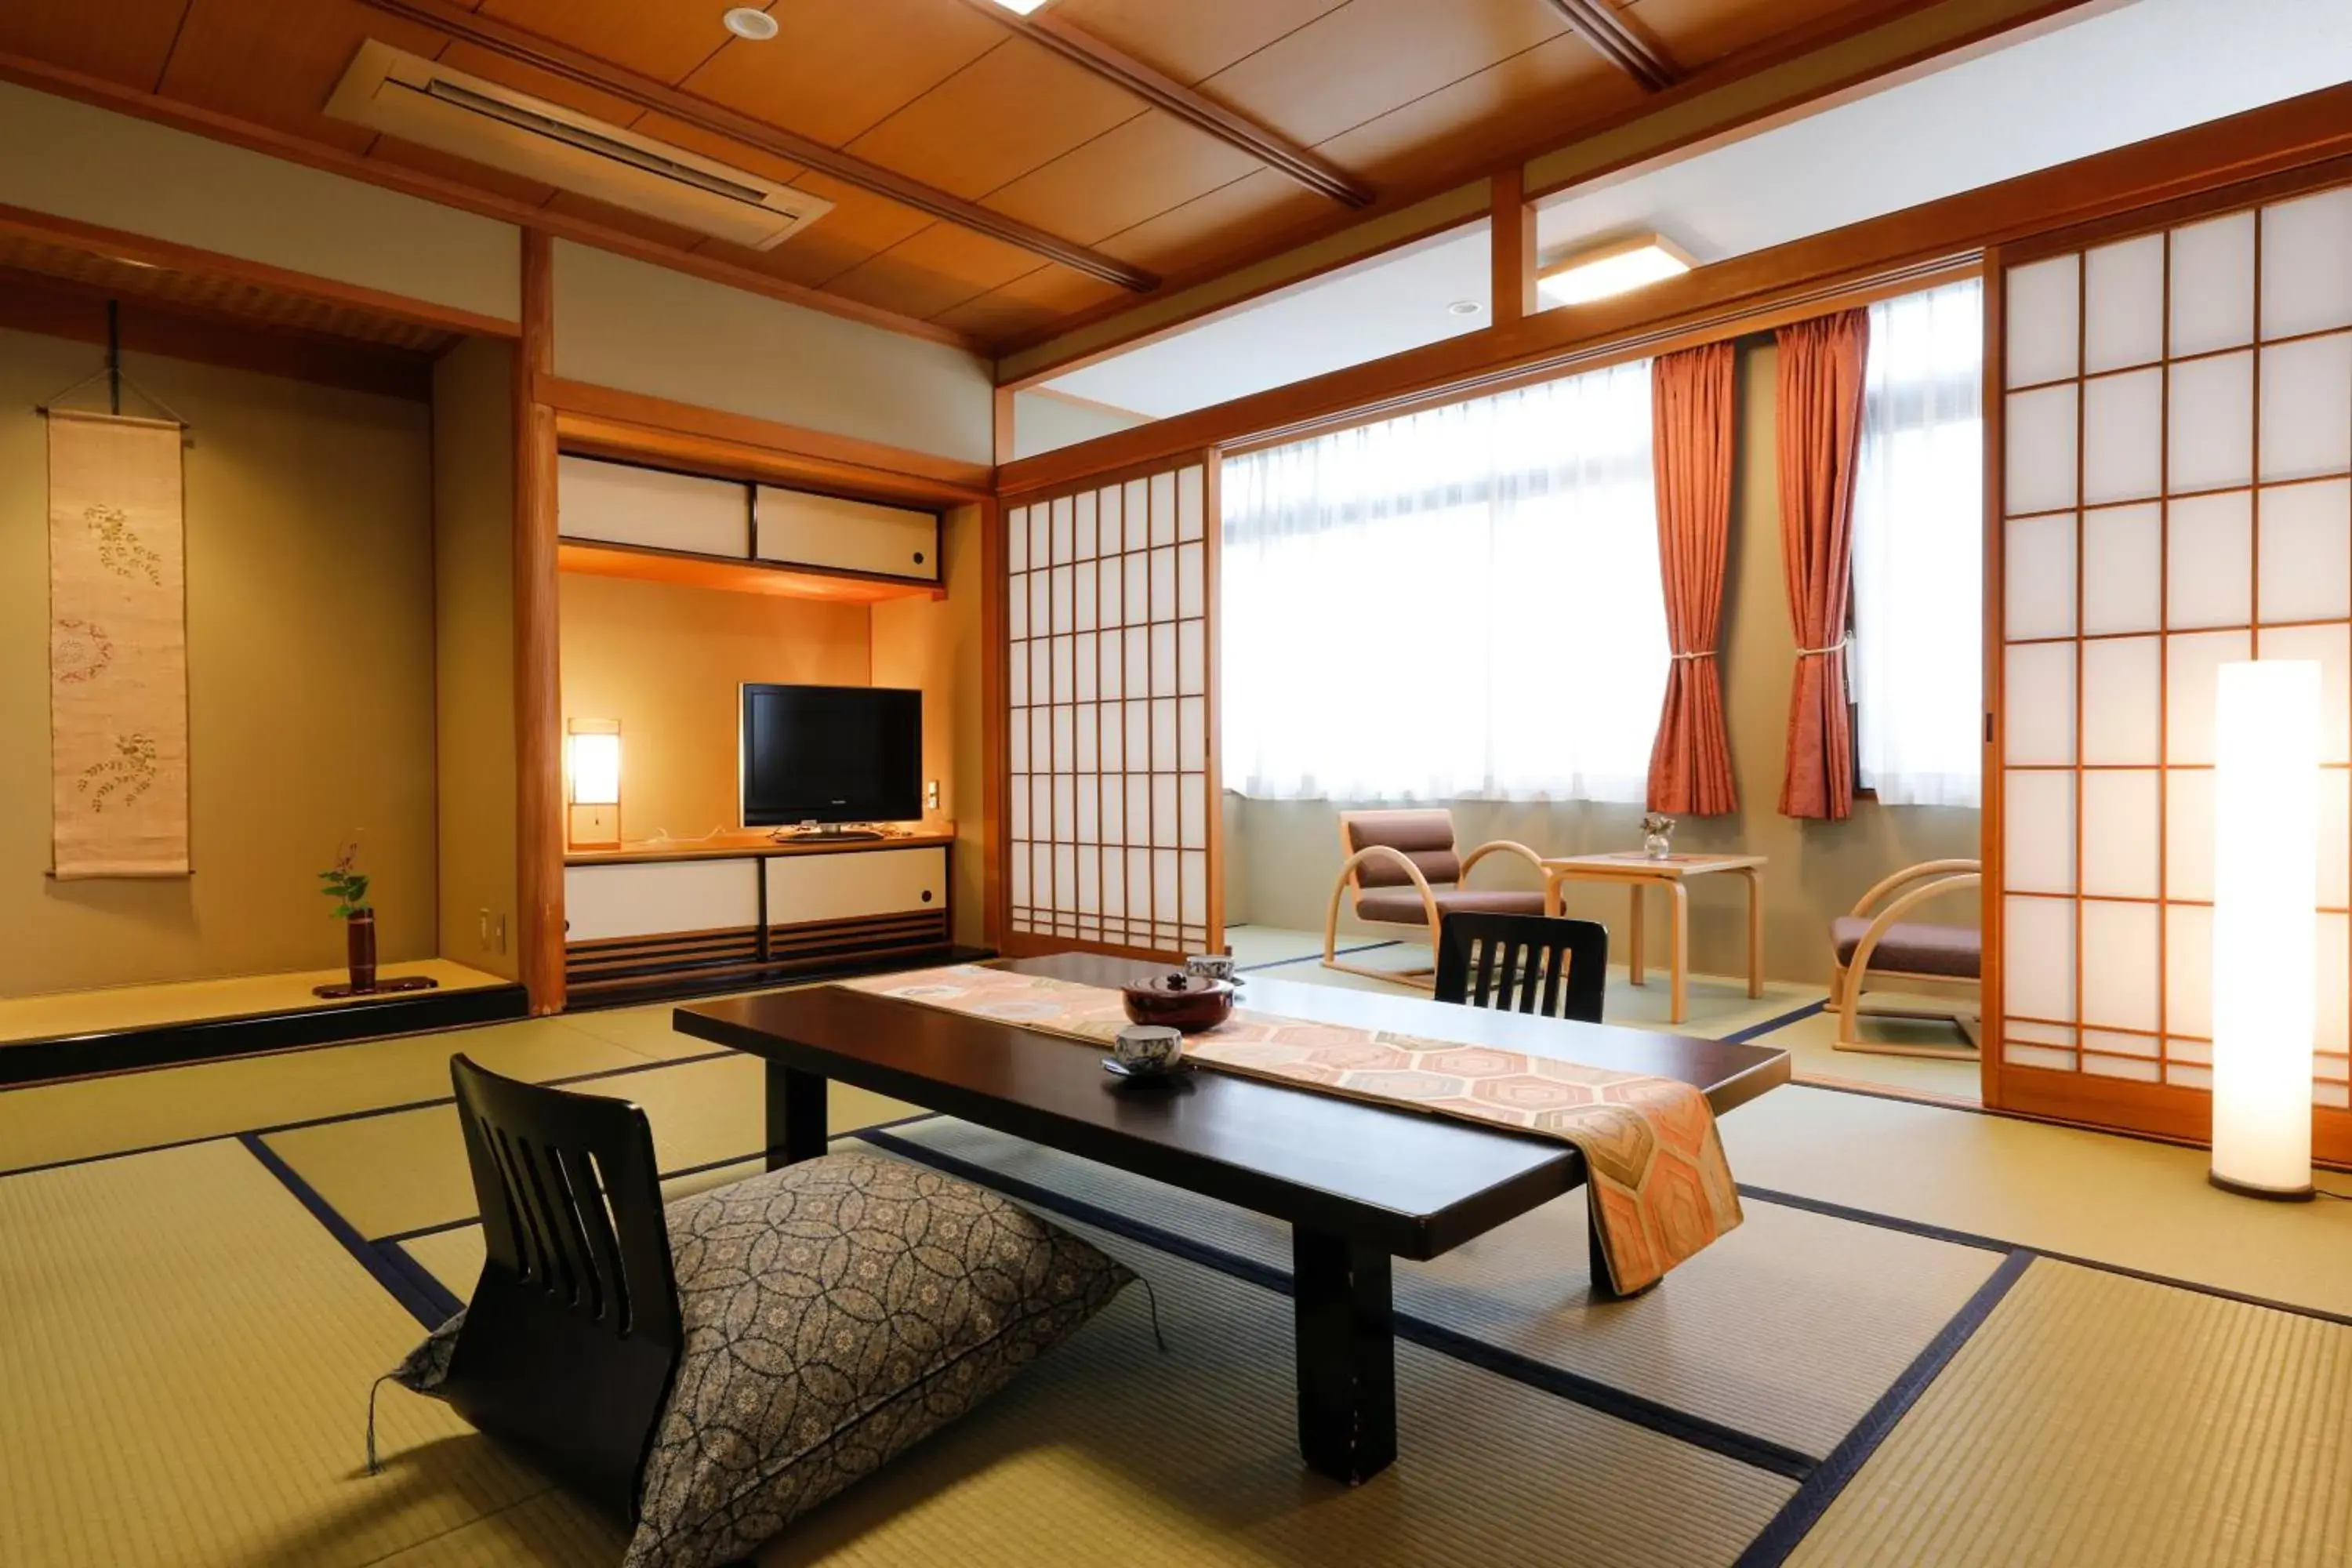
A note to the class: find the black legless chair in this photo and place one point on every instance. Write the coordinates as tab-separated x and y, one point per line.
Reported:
572	1337
1524	964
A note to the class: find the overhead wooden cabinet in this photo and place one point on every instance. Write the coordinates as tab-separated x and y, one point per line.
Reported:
615	503
798	529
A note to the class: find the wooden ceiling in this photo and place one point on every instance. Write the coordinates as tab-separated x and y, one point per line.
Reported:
1165	138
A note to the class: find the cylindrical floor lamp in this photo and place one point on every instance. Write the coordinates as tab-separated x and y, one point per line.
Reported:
2266	869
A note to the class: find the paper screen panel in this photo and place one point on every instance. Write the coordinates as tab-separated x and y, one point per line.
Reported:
2178	494
1111	751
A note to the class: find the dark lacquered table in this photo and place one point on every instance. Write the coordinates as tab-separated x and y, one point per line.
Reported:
1358	1184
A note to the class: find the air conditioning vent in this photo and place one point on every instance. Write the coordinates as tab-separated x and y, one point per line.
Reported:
424	101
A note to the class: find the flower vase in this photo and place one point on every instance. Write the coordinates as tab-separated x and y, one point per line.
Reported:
1658	846
359	935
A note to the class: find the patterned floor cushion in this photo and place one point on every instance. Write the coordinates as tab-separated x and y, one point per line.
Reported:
836	1312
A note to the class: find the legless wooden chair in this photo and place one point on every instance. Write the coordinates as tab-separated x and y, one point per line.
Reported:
1886	946
1401	868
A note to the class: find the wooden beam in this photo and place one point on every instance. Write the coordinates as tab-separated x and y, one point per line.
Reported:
1620	45
539	693
2310	132
528	48
1511	250
1275	151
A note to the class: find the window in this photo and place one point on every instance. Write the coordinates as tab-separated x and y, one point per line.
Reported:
1461	604
1918	551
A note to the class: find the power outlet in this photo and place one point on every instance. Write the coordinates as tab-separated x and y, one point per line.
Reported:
492	928
931	795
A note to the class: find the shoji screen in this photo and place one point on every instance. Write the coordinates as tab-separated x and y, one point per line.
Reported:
1111	801
2176	476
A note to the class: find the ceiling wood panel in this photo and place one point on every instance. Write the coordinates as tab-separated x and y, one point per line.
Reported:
1199	233
276	63
1196	40
942	267
1699	32
860	224
839	68
121	40
1132	172
1371	56
1008	111
660	37
1034	299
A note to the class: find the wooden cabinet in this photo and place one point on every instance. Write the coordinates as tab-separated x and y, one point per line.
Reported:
794	528
614	503
643	923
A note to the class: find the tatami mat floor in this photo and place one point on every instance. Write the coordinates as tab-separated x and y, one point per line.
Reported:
1880	1366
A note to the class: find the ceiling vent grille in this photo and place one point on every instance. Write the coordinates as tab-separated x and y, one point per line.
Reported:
424	101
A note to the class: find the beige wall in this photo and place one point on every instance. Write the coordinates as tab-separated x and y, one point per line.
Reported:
310	559
127	173
934	644
667	661
473	631
1282	855
1044	423
642	327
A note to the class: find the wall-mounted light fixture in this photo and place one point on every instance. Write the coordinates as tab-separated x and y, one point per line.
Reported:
593	763
1612	267
2265	930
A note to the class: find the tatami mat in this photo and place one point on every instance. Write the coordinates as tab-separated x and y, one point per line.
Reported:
2124	1200
2103	1422
183	1374
1787	1330
388	1175
109	1007
1813	1055
89	1117
1106	1452
550	1531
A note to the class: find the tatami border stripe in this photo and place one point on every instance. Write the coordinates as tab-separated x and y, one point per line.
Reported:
404	1290
443	1302
1316	957
1756	1031
1633	1409
1814	1495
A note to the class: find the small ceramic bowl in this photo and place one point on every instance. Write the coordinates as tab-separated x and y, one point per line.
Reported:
1141	1050
1179	1000
1213	966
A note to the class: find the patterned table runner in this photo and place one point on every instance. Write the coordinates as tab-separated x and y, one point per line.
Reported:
1660	1186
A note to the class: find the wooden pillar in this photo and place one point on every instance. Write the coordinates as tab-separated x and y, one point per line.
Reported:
539	722
1002	415
995	756
1513	250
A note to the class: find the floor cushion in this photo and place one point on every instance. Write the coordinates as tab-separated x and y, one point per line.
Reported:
836	1312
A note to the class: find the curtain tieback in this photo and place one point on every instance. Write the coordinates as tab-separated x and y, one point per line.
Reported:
1837	647
1702	653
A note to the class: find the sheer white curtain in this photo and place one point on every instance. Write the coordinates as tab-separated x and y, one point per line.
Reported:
1462	603
1918	551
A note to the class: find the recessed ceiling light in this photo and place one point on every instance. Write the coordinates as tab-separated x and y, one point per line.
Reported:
751	22
1022	7
1601	270
1464	307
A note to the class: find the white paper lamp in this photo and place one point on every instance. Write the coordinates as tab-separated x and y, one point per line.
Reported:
2266	933
594	748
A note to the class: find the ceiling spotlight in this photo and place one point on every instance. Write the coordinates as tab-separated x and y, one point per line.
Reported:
1464	307
1598	271
1021	7
751	22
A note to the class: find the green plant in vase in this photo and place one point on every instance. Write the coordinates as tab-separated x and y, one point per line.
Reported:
348	885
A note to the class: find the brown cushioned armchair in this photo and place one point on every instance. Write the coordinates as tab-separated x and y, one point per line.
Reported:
1403	869
1880	943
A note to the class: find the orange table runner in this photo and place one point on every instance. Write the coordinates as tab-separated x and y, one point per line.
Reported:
1660	1186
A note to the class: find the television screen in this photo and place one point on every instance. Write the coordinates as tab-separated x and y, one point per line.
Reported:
831	754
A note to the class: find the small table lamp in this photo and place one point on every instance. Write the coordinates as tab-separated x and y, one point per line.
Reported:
2265	930
593	810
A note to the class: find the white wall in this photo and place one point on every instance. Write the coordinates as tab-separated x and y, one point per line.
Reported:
1044	423
77	162
642	327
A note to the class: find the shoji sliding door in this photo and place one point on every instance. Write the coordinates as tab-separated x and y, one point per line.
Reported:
2174	476
1111	826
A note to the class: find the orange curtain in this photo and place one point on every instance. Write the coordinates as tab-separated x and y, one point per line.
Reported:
1691	415
1822	366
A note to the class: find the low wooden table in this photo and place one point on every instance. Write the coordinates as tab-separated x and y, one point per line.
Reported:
1358	1183
1638	871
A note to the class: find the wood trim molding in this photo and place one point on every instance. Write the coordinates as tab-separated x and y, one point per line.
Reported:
2169	1111
1924	240
538	698
682	433
30	302
123	246
1620	45
1511	250
528	48
159	109
1275	151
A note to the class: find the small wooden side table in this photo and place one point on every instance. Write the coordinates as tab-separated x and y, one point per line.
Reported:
1637	872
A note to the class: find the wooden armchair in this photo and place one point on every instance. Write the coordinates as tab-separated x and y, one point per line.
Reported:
1401	868
1884	945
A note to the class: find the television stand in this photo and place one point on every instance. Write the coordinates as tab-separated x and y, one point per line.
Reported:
814	832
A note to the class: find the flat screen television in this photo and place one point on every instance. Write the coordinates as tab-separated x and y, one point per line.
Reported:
831	754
